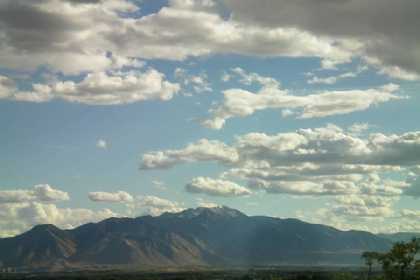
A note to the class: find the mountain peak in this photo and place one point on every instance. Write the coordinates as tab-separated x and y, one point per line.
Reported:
221	211
200	236
45	227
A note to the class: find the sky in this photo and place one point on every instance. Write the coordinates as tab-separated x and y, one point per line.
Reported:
306	109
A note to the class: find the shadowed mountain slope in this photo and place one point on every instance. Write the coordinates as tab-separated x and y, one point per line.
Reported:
202	236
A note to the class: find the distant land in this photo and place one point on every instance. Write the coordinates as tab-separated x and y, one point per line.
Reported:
400	236
201	237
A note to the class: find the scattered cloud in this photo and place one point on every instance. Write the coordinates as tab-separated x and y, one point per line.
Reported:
120	197
202	150
75	38
206	204
214	187
362	174
153	205
241	103
98	88
390	46
93	52
18	217
195	83
328	157
39	193
359	128
137	205
160	185
22	209
330	80
102	144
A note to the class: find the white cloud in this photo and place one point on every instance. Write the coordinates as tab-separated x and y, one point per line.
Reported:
215	187
21	211
7	85
102	88
38	213
225	77
358	128
40	193
398	73
75	38
326	187
102	144
241	103
137	205
410	213
327	161
392	45
206	204
18	217
364	206
153	205
190	30
159	185
196	83
120	197
202	150
370	213
58	34
334	79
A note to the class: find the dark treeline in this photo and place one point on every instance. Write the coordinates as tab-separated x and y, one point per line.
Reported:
263	274
400	263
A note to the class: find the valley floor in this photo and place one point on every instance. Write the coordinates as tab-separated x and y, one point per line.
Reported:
260	274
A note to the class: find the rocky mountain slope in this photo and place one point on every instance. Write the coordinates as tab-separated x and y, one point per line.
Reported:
204	236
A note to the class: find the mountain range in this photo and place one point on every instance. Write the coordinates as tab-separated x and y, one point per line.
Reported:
211	237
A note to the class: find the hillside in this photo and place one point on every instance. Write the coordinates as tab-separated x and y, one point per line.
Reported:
195	237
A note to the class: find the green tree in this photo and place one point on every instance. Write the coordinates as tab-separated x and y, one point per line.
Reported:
417	270
397	262
370	258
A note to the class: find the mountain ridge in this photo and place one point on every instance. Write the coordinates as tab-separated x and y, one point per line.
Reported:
219	236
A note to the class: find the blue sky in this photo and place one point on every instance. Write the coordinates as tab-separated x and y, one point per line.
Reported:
79	123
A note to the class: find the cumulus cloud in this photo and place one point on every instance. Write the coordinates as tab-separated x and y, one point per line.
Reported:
206	204
328	161
22	209
39	193
153	205
18	217
120	196
392	45
369	213
189	28
364	206
241	103
57	33
202	150
216	187
37	213
358	128
91	38
414	182
326	187
74	38
137	205
100	88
